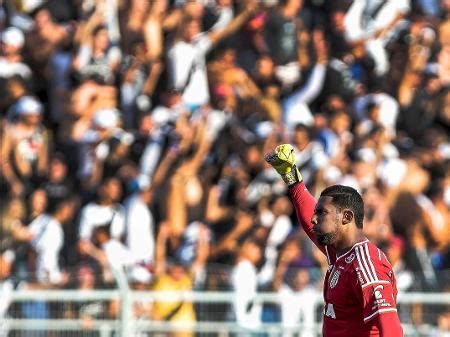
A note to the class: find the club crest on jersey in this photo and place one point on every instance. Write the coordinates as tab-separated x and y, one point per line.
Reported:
350	258
334	279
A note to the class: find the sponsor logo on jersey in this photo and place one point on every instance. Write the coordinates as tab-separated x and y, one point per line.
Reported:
358	273
334	278
330	311
377	291
350	258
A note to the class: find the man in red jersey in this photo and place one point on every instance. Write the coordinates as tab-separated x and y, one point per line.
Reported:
359	288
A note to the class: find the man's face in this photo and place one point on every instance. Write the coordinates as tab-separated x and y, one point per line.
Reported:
68	211
112	190
10	49
101	39
191	30
326	220
32	119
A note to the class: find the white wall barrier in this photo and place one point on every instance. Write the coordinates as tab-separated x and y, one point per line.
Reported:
126	324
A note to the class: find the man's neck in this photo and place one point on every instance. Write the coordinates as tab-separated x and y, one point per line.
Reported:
13	58
347	243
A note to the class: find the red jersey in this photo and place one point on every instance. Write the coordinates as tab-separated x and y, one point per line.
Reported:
359	285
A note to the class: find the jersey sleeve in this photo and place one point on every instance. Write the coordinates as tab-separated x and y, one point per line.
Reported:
375	282
304	204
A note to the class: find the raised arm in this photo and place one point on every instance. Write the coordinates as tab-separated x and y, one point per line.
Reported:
282	159
220	34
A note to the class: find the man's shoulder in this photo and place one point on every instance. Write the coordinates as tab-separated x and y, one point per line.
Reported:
369	263
90	207
377	256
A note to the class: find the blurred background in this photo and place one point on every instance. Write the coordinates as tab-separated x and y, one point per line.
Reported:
131	157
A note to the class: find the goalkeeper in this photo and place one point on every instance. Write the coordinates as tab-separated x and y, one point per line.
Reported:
359	288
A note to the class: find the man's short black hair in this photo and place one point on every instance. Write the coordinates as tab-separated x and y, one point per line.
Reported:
57	205
347	197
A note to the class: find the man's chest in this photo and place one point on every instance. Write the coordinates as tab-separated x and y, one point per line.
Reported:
340	284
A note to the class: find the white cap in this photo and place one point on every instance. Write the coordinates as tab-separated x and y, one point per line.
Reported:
13	36
9	256
139	274
264	129
367	155
106	118
27	106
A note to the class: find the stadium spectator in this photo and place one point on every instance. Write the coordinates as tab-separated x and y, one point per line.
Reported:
11	60
187	55
6	288
140	226
106	211
25	147
247	310
46	236
59	184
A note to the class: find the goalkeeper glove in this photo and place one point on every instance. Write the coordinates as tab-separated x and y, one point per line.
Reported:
282	160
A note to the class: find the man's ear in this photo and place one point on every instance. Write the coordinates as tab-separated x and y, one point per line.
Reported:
347	217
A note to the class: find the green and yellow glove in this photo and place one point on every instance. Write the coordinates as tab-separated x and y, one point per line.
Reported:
282	160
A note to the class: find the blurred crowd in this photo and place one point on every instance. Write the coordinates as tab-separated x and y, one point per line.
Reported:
133	134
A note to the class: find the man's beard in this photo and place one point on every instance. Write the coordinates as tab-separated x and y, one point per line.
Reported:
326	238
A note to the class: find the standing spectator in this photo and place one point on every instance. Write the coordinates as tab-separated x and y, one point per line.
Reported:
187	56
311	155
12	212
6	289
140	226
295	105
87	311
244	282
59	184
132	19
281	35
112	254
45	38
296	297
104	141
24	147
278	231
106	211
436	215
47	238
176	278
11	59
37	204
374	24
172	274
97	57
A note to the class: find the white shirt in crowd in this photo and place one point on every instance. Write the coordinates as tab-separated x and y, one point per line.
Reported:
388	106
10	69
6	298
296	309
6	294
118	254
95	215
281	228
295	106
244	282
187	68
48	239
140	229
